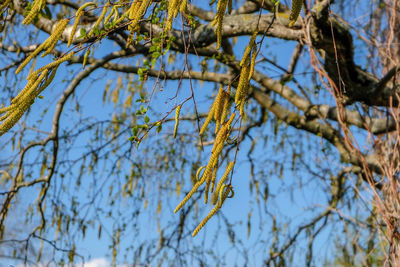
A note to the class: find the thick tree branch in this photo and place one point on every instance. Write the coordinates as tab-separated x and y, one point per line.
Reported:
335	44
373	125
316	128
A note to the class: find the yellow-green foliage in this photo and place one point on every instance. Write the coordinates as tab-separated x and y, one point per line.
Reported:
295	11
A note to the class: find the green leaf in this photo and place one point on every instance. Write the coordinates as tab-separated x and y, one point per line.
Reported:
156	55
47	13
135	131
159	128
83	33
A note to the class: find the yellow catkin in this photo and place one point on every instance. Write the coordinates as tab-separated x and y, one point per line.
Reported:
177	8
32	66
207	174
231	118
198	173
136	12
220	138
208	119
172	6
252	61
224	194
214	176
227	106
223	133
210	179
206	191
214	198
73	31
99	20
85	57
221	8
107	19
295	11
11	120
141	11
45	45
55	36
124	16
80	9
219	106
214	156
29	96
5	116
133	9
177	112
243	85
5	109
217	125
217	149
241	108
5	4
188	196
116	15
246	54
48	81
22	93
53	64
35	9
30	57
183	6
205	220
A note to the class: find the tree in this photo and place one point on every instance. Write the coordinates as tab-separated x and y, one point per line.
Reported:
297	116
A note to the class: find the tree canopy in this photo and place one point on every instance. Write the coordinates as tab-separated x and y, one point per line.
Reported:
254	132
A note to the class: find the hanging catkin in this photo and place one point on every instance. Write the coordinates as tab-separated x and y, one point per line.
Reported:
177	112
295	11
